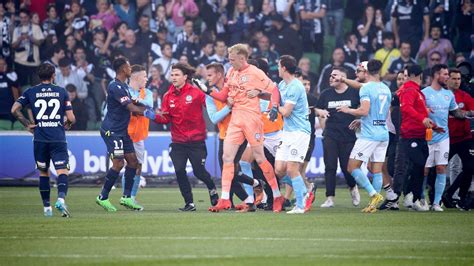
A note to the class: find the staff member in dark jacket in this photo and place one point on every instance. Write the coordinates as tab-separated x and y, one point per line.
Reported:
412	149
182	107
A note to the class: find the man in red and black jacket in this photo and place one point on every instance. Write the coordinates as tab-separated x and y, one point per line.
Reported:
412	149
182	107
461	141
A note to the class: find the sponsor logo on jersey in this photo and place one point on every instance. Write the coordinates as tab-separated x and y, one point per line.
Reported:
379	123
124	99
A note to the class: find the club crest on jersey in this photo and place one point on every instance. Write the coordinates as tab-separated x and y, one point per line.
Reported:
189	99
294	152
414	145
461	105
244	79
446	97
257	136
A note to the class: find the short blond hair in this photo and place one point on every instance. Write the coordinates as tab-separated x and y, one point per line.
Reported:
240	49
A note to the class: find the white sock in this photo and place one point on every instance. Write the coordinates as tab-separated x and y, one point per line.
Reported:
249	199
276	193
47	209
225	195
255	183
61	200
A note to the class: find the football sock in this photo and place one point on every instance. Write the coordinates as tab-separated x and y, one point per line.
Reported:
110	179
129	176
377	182
246	168
300	190
439	187
45	190
136	183
389	193
269	174
62	186
287	180
227	176
363	181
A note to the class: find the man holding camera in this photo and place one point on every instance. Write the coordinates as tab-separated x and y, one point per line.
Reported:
27	38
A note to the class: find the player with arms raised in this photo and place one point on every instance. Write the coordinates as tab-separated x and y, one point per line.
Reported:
49	104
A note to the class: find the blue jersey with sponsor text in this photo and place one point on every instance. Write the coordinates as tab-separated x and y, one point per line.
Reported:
374	125
440	102
118	116
295	94
49	104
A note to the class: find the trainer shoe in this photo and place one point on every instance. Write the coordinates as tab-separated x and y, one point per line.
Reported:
222	204
258	191
247	207
189	207
375	200
213	196
436	208
48	211
408	200
424	205
296	210
287	203
417	206
278	204
388	203
355	196
62	208
329	203
129	203
105	204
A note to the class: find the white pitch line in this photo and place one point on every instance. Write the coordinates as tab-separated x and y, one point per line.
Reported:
231	238
182	256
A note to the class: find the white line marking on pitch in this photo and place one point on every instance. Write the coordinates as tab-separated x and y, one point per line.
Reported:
179	256
231	238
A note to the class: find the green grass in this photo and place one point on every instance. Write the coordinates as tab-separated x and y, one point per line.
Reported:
162	235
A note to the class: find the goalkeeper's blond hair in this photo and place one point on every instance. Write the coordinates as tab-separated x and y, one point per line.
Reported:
240	49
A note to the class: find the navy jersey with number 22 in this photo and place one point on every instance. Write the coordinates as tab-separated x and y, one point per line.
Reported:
49	104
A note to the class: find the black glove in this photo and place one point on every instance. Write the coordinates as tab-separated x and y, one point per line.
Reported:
201	86
273	114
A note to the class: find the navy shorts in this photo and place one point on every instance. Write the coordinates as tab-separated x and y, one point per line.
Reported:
51	151
117	146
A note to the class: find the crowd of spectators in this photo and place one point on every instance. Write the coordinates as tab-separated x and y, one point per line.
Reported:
81	38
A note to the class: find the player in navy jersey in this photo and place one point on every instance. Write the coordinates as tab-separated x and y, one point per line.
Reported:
114	132
49	104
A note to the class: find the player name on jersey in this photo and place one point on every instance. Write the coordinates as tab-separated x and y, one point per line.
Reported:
47	94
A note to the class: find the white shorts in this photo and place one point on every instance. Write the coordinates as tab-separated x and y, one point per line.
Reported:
140	150
272	140
438	153
367	149
293	148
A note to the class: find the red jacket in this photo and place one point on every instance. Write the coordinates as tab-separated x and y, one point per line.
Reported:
183	109
413	111
460	129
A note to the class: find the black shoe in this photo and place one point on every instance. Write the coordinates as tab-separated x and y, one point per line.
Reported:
389	204
214	197
448	202
188	208
287	203
268	207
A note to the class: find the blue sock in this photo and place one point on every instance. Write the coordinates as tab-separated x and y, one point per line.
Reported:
363	181
300	189
439	187
136	183
246	168
287	180
377	182
110	179
45	190
62	186
129	175
422	194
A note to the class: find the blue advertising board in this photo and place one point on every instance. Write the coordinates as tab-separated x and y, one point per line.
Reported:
87	155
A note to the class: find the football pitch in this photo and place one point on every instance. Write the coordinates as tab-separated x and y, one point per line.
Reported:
160	235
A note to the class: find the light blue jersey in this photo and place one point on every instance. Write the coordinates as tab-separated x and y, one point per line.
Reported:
295	94
440	102
374	126
148	101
